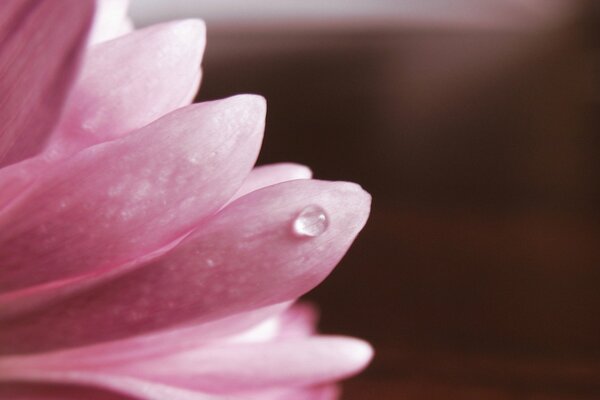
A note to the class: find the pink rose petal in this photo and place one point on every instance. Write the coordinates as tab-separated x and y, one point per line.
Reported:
121	200
38	64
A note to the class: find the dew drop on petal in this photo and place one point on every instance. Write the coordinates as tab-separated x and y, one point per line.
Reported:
312	221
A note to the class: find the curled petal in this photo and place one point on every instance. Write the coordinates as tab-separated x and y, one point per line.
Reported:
118	201
246	257
38	64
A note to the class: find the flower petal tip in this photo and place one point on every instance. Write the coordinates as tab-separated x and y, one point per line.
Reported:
302	171
358	353
245	112
353	204
191	32
253	103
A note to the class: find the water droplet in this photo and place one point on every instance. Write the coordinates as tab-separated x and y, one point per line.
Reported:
312	221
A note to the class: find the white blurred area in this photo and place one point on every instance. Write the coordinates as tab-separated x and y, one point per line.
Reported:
348	14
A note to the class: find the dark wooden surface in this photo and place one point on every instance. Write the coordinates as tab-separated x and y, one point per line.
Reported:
478	273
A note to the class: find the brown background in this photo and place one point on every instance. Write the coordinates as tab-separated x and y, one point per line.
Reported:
478	274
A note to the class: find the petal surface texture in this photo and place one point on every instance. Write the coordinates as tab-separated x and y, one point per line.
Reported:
161	74
118	201
245	257
15	178
38	64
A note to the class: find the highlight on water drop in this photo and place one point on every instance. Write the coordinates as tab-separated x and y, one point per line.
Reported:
311	222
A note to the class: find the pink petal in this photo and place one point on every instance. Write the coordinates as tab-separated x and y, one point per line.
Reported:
121	200
99	387
98	70
113	97
256	366
245	258
169	341
110	20
219	369
30	391
172	341
267	175
146	391
324	392
38	62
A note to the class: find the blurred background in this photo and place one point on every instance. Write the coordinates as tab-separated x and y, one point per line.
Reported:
476	126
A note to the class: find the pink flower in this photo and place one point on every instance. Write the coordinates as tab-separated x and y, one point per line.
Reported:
141	254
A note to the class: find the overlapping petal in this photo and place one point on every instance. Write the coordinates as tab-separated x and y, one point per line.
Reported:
33	96
141	256
244	258
266	366
109	102
137	390
267	175
113	98
257	325
117	201
216	369
254	366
